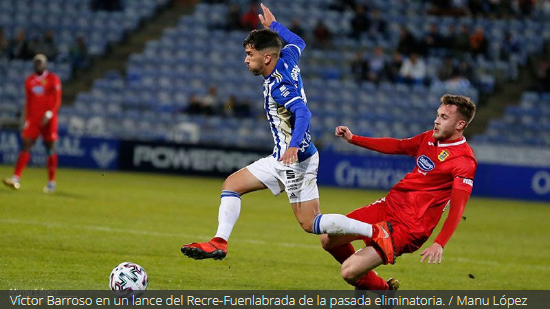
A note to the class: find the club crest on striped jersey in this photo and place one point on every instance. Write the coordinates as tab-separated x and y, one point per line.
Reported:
425	163
443	155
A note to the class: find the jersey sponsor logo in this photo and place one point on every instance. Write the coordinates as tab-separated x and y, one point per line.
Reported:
38	90
467	181
443	155
425	163
284	91
290	174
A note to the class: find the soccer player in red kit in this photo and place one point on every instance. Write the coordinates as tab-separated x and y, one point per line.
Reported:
442	178
43	99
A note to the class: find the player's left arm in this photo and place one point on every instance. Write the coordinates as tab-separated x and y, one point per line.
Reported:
269	22
460	193
55	102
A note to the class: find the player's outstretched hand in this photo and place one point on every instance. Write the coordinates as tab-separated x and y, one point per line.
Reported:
290	156
433	253
344	132
267	18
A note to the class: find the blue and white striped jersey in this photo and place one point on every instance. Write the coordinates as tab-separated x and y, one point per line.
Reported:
283	94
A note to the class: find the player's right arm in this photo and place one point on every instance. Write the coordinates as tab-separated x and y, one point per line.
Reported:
269	22
385	145
54	102
27	98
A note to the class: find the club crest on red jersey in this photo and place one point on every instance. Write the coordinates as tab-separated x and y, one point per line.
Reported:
425	163
443	155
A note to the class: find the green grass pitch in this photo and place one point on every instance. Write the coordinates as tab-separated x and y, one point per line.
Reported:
73	238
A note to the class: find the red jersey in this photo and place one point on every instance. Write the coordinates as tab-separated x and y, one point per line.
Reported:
43	93
419	199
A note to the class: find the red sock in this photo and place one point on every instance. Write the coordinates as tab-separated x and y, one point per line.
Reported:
52	166
22	161
371	281
342	252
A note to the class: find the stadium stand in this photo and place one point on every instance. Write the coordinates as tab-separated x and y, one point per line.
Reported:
67	20
149	101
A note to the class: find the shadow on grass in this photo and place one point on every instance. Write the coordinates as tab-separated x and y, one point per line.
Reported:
65	194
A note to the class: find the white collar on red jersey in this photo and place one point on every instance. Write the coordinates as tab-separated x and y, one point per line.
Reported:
460	142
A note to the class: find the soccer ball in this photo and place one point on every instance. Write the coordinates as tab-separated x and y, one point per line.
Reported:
128	279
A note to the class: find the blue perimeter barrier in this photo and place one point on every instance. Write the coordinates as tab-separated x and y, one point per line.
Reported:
336	169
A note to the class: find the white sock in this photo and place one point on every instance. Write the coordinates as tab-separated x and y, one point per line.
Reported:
230	208
334	224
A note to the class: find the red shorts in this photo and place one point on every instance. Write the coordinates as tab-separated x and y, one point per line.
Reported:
32	129
403	240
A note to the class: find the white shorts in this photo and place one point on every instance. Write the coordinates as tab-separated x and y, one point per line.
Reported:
299	180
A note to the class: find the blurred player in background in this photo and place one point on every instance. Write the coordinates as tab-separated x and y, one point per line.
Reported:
294	163
43	99
443	177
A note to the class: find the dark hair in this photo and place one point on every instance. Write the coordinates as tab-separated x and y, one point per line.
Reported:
465	106
262	39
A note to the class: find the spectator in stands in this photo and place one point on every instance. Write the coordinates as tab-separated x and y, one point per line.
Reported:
20	48
233	19
432	39
195	105
322	35
360	23
457	83
343	5
449	38
413	70
462	41
47	46
407	42
376	65
464	68
4	45
378	25
106	5
78	54
509	46
296	28
359	68
250	20
446	70
542	76
394	66
210	102
478	42
526	7
237	108
449	7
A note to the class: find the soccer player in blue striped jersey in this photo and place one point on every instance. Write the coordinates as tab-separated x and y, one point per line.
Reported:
294	163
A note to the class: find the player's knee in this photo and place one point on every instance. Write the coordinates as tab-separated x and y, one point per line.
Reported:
348	274
230	184
307	225
325	242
